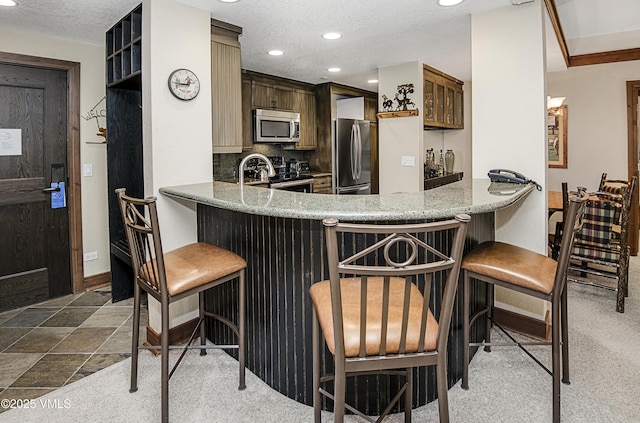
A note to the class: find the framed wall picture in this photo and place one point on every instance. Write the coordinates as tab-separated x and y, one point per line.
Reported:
557	136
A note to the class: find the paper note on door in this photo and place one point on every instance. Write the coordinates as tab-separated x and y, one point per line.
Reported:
58	198
10	142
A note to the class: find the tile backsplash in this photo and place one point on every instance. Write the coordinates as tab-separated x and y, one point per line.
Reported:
225	166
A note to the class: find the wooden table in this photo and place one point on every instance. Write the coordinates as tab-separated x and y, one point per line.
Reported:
554	201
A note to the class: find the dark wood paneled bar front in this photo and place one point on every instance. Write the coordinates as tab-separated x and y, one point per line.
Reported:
280	235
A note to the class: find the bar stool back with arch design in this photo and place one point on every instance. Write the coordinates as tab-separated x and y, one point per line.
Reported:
171	276
396	293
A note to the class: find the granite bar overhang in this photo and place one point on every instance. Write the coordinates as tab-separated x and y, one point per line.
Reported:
466	196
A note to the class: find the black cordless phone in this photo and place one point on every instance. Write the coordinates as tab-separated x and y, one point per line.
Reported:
504	175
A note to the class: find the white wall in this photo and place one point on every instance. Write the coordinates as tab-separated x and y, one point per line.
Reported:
177	134
596	100
95	226
402	136
509	121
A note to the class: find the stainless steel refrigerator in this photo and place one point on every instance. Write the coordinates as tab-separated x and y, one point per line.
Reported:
352	157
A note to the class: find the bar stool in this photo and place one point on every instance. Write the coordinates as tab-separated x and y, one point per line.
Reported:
168	277
386	307
525	271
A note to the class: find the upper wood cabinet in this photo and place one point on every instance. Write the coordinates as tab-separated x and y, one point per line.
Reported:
270	95
304	102
226	88
260	91
371	109
443	100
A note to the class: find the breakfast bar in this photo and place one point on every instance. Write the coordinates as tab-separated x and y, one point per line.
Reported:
280	235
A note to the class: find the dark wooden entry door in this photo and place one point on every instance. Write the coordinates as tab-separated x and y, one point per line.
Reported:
34	237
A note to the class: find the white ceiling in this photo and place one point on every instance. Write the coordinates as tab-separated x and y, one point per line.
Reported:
376	33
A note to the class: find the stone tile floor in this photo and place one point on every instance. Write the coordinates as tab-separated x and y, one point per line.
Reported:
54	343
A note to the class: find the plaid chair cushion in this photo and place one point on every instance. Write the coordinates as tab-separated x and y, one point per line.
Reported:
597	239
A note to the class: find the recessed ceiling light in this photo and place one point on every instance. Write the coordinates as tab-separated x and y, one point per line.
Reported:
275	52
372	81
8	3
334	69
331	36
229	1
449	2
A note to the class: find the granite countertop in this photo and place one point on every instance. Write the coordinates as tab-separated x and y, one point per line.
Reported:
466	196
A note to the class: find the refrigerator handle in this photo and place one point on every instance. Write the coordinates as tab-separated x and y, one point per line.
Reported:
359	171
354	151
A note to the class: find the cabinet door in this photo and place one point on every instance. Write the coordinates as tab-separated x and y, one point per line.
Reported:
440	104
304	102
226	98
449	105
370	109
247	116
322	185
269	96
458	106
429	100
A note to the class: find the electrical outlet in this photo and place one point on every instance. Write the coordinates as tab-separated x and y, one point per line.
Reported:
93	255
407	161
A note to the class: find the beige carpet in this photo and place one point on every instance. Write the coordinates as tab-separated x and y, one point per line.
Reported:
505	386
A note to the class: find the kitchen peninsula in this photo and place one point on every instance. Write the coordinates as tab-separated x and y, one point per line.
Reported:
280	234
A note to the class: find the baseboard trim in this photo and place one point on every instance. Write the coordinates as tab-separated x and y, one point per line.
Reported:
177	335
520	323
97	281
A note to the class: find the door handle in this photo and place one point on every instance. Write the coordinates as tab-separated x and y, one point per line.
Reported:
56	189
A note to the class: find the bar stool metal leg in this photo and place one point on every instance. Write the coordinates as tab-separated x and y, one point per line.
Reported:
242	316
135	338
465	332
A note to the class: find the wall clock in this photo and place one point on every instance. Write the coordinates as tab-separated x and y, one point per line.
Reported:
184	84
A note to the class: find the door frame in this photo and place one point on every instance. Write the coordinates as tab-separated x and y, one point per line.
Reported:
74	202
633	91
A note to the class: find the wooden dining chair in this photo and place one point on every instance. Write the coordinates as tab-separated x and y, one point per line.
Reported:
519	269
169	277
602	246
386	307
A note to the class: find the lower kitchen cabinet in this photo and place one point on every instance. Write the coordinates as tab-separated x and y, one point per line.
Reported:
322	185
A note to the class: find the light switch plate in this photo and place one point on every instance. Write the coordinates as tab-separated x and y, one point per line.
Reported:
407	161
87	169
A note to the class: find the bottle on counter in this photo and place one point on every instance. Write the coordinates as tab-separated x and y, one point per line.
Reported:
430	167
449	159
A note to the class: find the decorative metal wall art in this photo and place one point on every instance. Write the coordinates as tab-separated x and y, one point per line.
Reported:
401	98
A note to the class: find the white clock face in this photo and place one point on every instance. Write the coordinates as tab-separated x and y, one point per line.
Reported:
184	84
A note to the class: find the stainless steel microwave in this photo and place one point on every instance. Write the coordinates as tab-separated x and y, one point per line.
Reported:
275	126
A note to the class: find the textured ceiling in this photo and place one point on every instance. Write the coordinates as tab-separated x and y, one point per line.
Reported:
376	33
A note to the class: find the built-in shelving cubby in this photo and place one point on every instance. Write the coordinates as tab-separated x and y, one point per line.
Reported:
124	48
124	149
